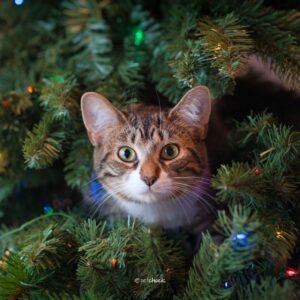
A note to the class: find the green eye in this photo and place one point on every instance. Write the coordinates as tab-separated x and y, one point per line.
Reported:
169	152
127	154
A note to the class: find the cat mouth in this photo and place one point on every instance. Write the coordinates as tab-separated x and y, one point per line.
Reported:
152	196
148	196
149	192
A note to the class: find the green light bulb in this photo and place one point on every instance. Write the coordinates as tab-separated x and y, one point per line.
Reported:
138	37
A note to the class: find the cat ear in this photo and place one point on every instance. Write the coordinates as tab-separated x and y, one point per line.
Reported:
98	115
194	108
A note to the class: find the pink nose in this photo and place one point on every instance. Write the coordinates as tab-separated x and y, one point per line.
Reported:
149	180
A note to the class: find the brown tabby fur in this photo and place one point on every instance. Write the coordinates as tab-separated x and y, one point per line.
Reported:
149	129
148	124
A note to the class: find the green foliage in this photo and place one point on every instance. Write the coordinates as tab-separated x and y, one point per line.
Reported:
275	35
78	163
90	39
65	296
61	256
235	264
18	278
275	150
122	49
269	288
142	255
253	127
238	183
57	97
269	185
43	145
227	43
173	49
46	252
7	187
206	281
55	247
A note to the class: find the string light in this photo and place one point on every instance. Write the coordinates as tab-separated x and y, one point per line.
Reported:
241	241
289	272
8	251
138	37
257	170
30	89
48	210
217	48
2	264
5	104
19	2
279	234
58	78
114	262
3	162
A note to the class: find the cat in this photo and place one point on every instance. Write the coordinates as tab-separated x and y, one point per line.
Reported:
153	162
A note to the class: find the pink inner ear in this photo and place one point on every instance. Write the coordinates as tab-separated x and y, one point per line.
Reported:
98	115
194	107
102	117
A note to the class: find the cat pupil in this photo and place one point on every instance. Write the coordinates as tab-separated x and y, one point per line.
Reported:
170	151
127	153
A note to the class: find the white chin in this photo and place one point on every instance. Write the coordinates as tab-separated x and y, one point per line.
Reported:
150	196
147	196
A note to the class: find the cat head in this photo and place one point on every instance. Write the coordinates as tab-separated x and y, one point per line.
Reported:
146	154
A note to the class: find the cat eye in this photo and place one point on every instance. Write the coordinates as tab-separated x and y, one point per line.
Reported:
127	154
169	152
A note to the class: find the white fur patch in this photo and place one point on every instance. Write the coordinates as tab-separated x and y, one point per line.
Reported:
157	207
135	186
138	190
169	214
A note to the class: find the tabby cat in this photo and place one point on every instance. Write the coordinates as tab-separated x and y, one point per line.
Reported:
153	162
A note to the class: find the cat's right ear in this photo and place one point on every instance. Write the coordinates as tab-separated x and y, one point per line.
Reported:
99	115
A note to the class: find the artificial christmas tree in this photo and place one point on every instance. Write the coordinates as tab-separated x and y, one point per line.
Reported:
138	51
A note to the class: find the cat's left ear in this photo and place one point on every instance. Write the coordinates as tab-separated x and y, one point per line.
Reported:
99	115
194	108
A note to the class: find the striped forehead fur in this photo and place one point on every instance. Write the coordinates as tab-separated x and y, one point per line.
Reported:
148	122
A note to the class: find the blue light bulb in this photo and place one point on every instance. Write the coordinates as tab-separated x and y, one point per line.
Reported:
19	2
241	236
242	240
48	210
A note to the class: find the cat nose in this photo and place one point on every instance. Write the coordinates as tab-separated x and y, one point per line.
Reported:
149	180
149	172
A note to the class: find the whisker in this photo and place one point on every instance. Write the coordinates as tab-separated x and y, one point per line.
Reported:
179	201
193	178
196	196
92	180
98	205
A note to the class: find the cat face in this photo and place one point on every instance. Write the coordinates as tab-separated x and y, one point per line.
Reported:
147	155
